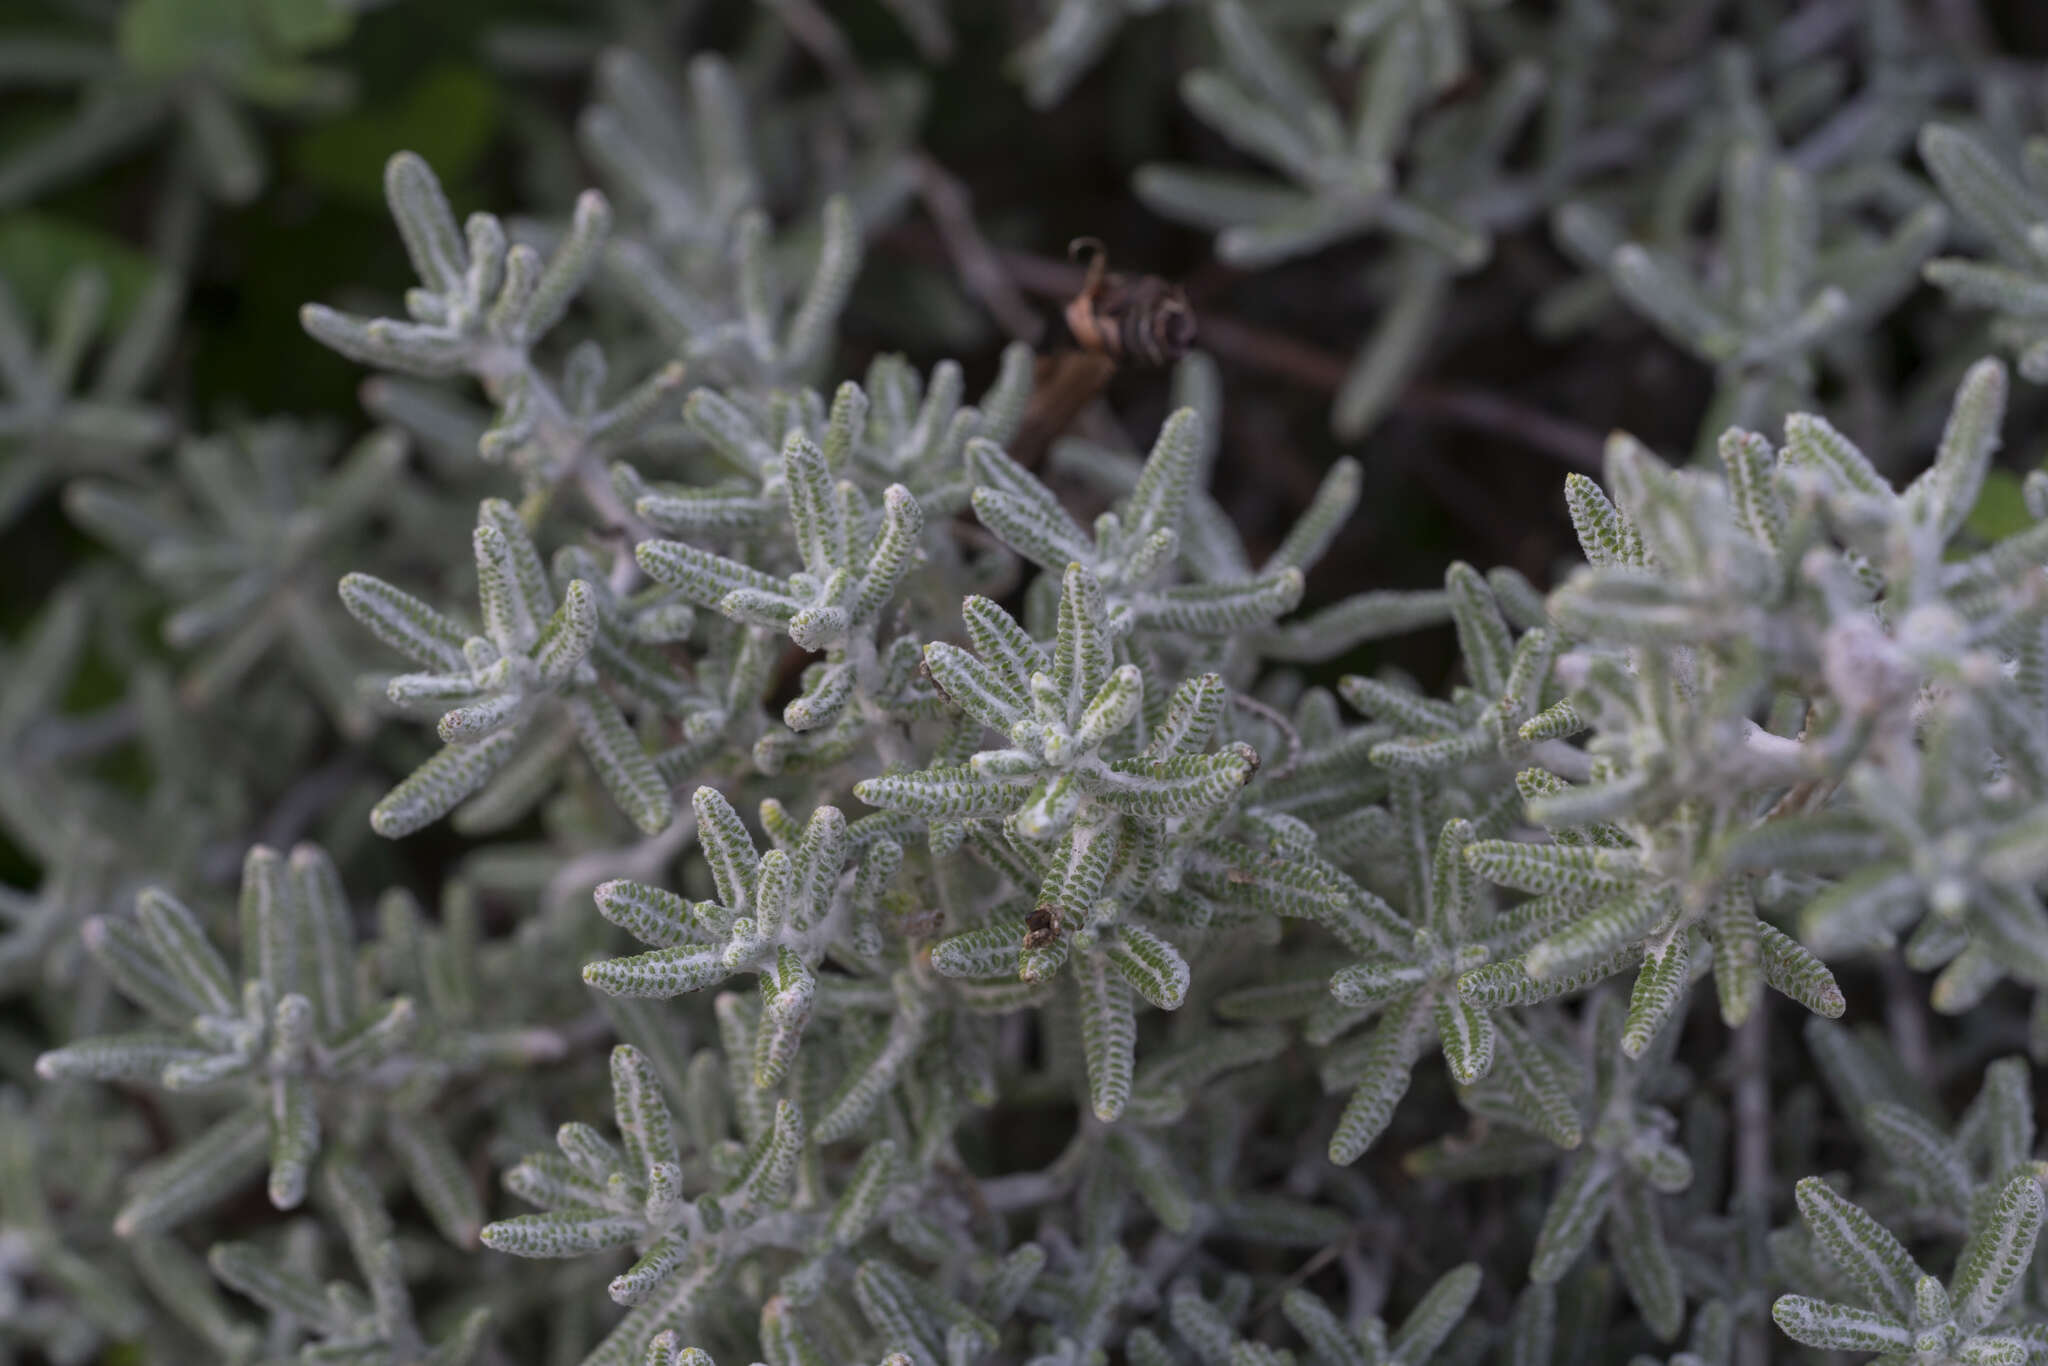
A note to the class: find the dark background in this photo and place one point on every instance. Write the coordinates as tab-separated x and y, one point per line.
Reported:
1453	472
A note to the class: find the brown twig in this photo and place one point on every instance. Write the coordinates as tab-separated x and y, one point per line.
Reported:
999	277
951	208
1275	353
1562	440
816	32
943	194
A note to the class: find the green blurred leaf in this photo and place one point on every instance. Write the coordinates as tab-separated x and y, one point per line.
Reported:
2000	510
38	251
305	25
229	38
169	37
449	117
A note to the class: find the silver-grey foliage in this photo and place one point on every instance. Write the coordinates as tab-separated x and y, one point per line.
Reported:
1040	932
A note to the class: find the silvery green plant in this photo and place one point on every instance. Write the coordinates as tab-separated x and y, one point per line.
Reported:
342	1321
1625	1159
246	563
2006	212
1210	550
1933	1173
1343	172
534	656
698	231
295	1040
1207	1329
1026	920
1757	123
54	423
1073	38
1775	295
1904	1313
202	71
482	305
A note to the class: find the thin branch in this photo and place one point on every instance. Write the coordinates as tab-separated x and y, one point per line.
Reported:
1280	723
79	737
1750	1059
951	208
640	862
817	33
1329	1252
307	799
944	197
595	483
1275	353
1569	443
304	802
1905	1018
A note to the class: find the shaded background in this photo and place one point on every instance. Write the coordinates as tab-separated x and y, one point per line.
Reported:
1453	473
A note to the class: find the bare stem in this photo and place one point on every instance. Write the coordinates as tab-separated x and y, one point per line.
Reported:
1750	1059
1280	723
1275	353
641	862
817	33
952	211
79	737
1905	1019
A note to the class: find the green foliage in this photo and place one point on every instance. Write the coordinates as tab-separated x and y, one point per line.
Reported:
1342	166
1910	1315
452	113
200	67
2007	213
1045	880
58	423
297	1041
